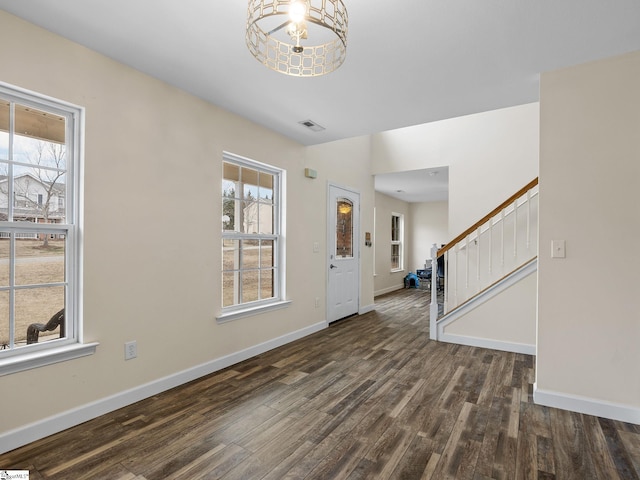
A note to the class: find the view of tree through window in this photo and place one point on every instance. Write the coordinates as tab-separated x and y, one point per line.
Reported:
33	222
250	226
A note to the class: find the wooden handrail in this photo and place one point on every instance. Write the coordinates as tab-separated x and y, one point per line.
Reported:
489	215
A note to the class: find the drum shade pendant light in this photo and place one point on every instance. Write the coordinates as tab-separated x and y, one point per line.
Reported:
302	38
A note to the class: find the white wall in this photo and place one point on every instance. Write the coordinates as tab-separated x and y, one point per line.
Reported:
506	321
385	280
429	225
490	156
588	321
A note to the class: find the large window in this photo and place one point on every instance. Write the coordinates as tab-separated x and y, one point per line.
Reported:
252	275
397	239
39	251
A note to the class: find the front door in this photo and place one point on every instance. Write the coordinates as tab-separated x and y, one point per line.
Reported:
343	287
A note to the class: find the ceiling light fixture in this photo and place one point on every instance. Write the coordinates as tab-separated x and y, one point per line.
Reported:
279	45
344	208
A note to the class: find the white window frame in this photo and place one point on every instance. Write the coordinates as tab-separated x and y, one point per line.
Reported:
14	359
399	242
279	299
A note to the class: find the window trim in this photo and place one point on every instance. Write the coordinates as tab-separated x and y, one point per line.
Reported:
73	346
279	300
399	242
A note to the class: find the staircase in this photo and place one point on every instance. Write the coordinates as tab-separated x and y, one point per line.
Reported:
488	296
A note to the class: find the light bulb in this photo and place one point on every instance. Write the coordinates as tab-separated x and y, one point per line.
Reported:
297	12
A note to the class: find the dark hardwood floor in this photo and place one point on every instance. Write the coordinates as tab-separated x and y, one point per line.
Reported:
371	397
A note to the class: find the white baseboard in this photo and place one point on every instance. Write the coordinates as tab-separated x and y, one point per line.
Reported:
54	424
366	309
589	406
488	343
388	290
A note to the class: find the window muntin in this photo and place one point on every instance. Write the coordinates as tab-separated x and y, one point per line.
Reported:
5	108
251	212
39	150
397	239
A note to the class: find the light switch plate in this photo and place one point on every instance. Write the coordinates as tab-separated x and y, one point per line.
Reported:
558	249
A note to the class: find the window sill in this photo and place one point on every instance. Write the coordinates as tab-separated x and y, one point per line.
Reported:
397	270
20	363
247	312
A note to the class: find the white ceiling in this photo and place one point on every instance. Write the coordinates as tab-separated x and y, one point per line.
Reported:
408	61
416	186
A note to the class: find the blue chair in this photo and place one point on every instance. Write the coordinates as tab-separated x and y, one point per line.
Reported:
425	277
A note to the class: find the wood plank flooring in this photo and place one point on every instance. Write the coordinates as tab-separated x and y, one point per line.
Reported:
371	397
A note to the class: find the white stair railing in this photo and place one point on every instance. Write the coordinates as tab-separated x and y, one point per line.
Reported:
491	249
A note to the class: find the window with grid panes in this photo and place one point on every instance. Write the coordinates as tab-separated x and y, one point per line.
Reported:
251	234
40	160
397	233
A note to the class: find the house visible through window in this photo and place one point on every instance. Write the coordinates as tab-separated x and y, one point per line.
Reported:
397	234
39	252
251	234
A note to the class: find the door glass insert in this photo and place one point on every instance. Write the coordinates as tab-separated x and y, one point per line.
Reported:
344	228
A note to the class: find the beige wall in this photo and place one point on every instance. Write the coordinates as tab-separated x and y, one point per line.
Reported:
344	163
429	225
386	280
152	210
425	224
588	320
490	156
152	225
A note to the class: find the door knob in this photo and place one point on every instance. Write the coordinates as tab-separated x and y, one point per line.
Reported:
332	266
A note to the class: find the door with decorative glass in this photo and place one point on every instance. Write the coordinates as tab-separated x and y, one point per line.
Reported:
343	261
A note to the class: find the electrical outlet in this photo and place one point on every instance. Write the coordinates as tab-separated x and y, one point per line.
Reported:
317	302
130	350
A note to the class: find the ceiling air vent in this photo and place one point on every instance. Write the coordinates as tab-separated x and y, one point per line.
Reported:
311	125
